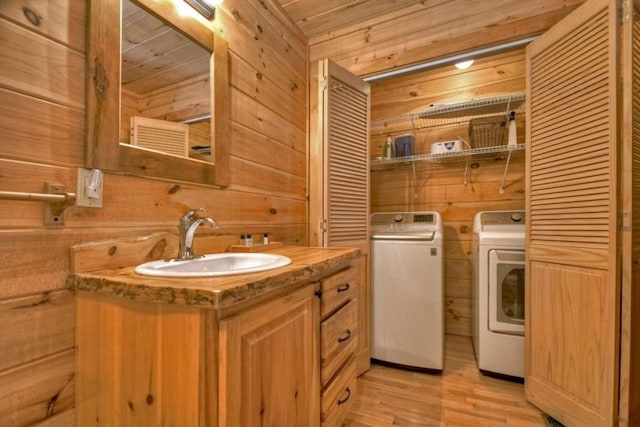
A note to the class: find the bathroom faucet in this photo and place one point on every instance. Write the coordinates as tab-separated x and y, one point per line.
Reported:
187	229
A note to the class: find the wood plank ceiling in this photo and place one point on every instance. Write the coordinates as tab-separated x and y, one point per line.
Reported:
320	17
369	36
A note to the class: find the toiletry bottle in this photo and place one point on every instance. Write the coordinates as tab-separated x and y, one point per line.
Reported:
389	151
265	239
243	240
513	138
249	240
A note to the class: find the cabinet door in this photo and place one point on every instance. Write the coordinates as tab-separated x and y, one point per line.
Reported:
269	367
572	288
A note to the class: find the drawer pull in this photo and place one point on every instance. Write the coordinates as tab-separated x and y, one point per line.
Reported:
346	337
343	288
341	401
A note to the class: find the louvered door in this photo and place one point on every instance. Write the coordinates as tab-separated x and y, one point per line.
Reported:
345	129
339	177
572	294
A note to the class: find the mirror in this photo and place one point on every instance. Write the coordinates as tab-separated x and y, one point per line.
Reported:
162	73
164	88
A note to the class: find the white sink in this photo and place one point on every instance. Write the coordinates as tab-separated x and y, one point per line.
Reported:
222	264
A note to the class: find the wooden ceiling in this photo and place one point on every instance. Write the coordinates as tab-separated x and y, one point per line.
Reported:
316	17
370	36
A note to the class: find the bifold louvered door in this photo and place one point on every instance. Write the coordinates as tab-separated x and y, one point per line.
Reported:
345	128
339	177
572	287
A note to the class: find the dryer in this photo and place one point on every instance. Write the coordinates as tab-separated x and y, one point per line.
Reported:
498	248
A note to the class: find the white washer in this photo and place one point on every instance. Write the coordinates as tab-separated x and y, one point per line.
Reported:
407	290
498	320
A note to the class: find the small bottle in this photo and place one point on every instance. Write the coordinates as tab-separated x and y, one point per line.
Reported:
243	240
389	151
249	241
513	137
265	239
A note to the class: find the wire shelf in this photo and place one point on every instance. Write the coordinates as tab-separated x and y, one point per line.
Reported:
451	114
463	156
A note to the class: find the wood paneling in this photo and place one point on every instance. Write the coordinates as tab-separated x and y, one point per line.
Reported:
64	23
367	37
42	108
45	70
32	128
423	186
37	391
32	333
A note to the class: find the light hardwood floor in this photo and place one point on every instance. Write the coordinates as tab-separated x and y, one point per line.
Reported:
461	396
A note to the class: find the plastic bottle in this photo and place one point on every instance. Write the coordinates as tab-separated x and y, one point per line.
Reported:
389	151
265	239
249	240
513	137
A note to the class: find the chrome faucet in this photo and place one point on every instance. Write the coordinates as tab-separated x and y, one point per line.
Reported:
187	229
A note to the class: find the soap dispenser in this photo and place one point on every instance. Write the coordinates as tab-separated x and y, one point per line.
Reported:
389	151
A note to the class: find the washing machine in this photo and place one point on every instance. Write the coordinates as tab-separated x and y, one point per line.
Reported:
407	290
498	248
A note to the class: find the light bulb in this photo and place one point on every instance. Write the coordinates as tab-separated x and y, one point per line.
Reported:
464	64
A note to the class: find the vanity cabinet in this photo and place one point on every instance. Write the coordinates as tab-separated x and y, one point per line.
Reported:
338	343
270	348
142	363
268	363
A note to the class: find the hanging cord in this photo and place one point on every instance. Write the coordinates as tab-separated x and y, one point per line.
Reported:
466	163
504	175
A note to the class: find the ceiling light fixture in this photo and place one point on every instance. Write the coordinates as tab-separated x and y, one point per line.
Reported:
449	59
206	8
464	64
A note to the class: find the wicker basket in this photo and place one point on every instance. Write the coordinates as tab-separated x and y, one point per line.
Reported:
488	131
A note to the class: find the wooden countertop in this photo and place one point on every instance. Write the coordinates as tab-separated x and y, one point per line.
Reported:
308	264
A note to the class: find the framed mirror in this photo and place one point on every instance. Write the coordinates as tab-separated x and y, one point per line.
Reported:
158	93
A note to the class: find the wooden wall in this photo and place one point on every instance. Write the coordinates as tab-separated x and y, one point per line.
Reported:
424	186
42	71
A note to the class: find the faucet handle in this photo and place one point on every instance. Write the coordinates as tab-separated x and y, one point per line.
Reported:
191	213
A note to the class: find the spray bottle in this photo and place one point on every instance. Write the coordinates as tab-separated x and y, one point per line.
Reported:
513	137
389	151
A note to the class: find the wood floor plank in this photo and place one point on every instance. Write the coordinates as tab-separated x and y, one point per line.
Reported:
461	396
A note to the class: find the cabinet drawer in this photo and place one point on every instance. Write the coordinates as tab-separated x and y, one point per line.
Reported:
337	397
338	339
337	289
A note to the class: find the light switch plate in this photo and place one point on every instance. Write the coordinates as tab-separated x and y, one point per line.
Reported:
82	199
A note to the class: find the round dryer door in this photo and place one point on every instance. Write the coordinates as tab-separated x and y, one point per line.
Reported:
506	291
